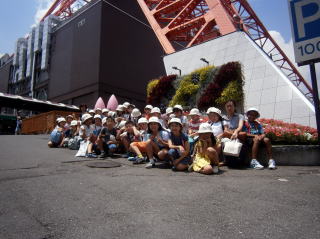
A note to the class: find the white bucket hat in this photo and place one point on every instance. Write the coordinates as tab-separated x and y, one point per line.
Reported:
175	120
122	124
253	109
120	108
179	107
104	120
105	110
169	110
142	120
194	111
61	119
126	104
85	117
135	113
69	116
92	111
111	113
214	110
97	109
150	107
155	110
154	119
97	117
74	123
205	128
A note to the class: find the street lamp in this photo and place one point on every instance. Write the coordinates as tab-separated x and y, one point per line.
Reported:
177	69
204	60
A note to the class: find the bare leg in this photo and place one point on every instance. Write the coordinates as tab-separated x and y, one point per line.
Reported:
89	149
181	167
268	146
50	144
255	148
213	156
135	149
162	154
206	170
125	142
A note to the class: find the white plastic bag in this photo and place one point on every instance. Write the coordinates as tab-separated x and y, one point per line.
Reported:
232	148
83	148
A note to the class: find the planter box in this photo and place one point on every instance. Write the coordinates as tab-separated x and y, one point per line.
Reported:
292	155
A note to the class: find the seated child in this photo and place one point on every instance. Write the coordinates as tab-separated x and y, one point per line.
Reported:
86	134
206	159
256	136
135	116
69	118
74	140
127	135
140	147
147	111
155	112
178	112
178	146
107	142
157	144
194	123
57	135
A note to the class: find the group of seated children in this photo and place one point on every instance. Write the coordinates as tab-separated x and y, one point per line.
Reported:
194	144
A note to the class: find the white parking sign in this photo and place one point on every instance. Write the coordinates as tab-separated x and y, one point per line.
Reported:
305	24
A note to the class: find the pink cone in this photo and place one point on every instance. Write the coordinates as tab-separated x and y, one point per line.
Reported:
112	103
100	104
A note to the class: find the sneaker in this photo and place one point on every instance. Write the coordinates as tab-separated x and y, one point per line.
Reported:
102	155
91	155
272	164
215	169
139	160
132	158
255	164
150	165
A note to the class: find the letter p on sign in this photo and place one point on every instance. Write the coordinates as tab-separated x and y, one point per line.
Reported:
305	22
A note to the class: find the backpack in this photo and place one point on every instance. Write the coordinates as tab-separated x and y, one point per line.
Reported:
74	143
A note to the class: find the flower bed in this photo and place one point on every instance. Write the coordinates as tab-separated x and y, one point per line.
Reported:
202	88
288	133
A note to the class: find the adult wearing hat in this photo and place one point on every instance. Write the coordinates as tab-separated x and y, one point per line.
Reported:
256	137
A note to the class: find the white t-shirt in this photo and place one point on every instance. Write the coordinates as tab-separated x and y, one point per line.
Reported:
217	127
87	130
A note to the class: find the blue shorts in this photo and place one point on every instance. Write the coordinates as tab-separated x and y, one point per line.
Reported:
175	154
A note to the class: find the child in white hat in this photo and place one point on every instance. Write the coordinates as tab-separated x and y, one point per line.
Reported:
57	135
206	159
255	137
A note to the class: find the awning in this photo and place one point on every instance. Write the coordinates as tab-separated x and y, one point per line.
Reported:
27	103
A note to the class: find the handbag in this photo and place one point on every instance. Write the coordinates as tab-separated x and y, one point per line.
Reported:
83	148
232	148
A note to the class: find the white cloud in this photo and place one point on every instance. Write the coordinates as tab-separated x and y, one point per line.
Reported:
42	8
1	55
287	47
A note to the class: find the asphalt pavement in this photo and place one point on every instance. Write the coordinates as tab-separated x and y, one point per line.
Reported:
44	195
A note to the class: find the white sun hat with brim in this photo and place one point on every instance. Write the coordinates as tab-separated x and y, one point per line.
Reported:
135	113
142	121
155	110
85	117
169	110
74	123
175	120
119	108
111	114
194	111
214	110
122	124
205	128
69	116
97	117
61	119
126	104
253	109
154	119
105	110
98	109
179	107
92	111
104	120
150	107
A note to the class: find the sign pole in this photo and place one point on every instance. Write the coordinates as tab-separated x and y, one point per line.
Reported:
315	97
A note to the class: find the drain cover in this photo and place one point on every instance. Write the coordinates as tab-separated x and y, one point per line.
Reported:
104	164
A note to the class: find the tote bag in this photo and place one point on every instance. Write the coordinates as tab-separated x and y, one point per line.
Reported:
232	148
